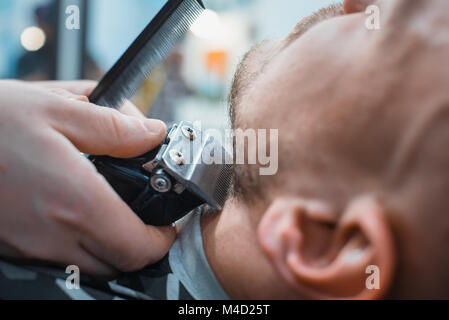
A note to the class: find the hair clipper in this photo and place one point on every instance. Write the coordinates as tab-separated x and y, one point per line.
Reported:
170	181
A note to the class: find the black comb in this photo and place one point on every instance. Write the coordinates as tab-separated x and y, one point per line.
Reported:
149	49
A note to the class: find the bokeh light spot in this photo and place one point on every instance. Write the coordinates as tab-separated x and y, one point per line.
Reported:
32	38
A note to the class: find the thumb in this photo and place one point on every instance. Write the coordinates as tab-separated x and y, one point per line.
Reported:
102	131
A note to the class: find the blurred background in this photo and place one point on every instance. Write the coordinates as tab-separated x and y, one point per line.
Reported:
191	84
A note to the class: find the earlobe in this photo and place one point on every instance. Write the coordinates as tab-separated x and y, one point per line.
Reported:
325	255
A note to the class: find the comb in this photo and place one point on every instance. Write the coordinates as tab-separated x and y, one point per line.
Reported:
123	80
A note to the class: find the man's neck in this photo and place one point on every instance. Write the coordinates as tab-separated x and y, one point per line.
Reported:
231	247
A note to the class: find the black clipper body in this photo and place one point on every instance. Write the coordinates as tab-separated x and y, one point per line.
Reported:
167	183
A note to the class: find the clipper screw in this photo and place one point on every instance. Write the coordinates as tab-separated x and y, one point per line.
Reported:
177	157
188	132
161	183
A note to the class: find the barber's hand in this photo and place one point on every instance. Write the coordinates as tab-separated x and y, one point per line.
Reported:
54	206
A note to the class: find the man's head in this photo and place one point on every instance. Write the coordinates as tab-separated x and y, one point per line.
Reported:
363	119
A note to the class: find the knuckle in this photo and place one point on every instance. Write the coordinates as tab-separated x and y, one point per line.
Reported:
57	108
58	90
115	124
67	215
128	134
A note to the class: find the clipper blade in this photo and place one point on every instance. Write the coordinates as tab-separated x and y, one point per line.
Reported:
206	172
223	186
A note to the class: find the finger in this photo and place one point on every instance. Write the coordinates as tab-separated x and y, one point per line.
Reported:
86	262
127	247
69	95
115	235
355	6
81	87
133	247
131	110
71	253
93	214
102	131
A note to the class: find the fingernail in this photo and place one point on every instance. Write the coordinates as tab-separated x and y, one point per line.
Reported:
79	98
155	127
83	98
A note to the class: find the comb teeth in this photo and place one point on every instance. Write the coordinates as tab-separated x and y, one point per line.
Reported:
221	192
152	53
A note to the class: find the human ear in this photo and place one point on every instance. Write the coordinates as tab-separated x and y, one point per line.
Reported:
356	6
329	255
